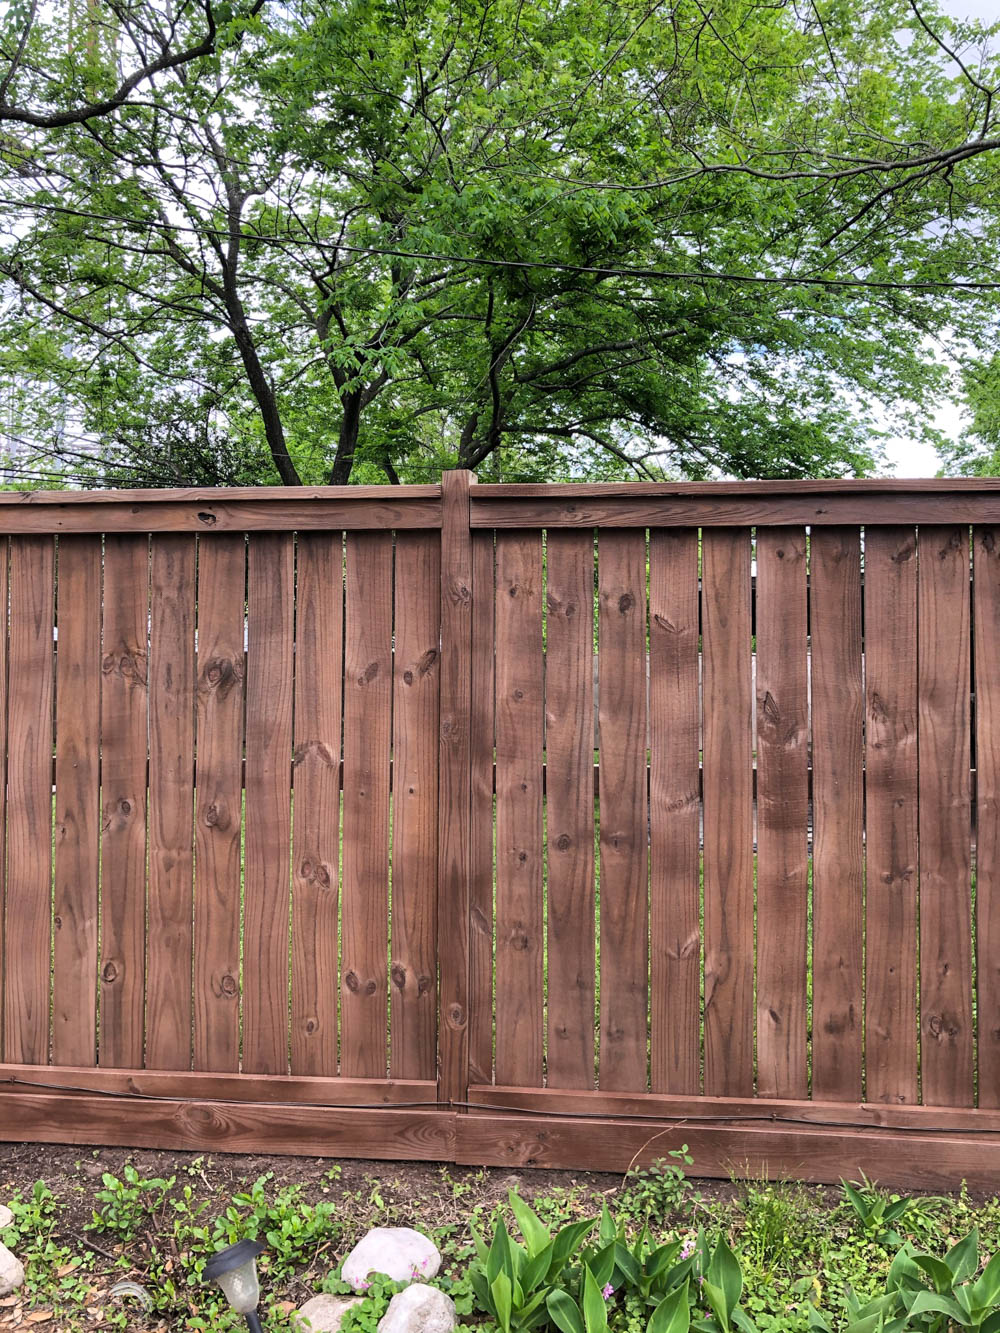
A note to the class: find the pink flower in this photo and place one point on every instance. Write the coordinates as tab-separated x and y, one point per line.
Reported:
687	1249
606	1293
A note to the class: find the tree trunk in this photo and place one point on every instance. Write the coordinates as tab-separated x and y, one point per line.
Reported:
343	463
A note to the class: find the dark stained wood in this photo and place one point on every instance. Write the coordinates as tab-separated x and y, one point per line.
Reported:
890	623
986	620
454	781
172	696
413	970
77	801
270	608
367	738
943	725
674	812
728	816
838	806
481	734
782	812
319	657
489	494
123	800
569	748
219	808
519	715
624	910
29	801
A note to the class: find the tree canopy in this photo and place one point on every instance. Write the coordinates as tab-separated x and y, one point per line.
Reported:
369	239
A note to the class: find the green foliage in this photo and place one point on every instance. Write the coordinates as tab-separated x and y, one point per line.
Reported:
876	1213
654	1193
128	1204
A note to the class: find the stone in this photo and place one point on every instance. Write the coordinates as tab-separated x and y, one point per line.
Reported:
419	1309
6	1217
322	1314
11	1271
399	1252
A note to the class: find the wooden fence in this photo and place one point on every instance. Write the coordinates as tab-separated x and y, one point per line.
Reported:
308	848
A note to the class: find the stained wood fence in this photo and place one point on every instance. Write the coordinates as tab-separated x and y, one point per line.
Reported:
302	851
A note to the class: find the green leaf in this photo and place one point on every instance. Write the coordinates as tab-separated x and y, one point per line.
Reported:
986	1290
937	1270
931	1302
482	1249
595	1310
716	1298
566	1243
963	1257
498	1259
724	1272
501	1290
535	1269
564	1311
673	1314
609	1230
535	1233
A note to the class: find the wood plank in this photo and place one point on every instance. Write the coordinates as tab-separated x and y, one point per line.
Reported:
890	620
78	802
519	718
123	800
413	1044
838	812
367	737
270	610
319	656
674	811
986	622
944	796
219	806
29	809
454	785
782	812
728	814
482	742
569	748
172	702
624	910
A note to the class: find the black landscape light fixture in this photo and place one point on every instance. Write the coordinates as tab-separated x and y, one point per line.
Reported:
235	1270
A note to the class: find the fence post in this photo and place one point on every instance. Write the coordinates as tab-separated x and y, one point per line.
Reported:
454	787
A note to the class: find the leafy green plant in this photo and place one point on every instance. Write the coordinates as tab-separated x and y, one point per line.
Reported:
127	1204
656	1192
876	1213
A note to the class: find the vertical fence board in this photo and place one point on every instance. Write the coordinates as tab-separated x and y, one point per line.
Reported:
519	705
77	826
623	840
838	812
728	812
270	602
674	811
29	811
367	737
482	669
171	802
413	1047
782	812
986	620
219	804
890	624
319	656
123	800
569	756
944	793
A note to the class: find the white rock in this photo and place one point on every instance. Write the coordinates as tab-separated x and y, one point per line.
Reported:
11	1271
323	1313
399	1252
419	1309
6	1216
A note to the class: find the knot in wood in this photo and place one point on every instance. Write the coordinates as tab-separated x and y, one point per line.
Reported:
311	1026
207	517
352	983
625	603
564	842
456	1016
423	984
125	806
369	674
109	972
227	985
407	677
398	974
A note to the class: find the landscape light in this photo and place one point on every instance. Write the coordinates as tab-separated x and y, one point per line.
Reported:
235	1270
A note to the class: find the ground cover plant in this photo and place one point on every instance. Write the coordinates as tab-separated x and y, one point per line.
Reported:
656	1252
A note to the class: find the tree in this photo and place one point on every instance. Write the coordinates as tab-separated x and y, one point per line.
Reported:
373	239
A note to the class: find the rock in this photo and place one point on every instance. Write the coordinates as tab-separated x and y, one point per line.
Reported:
323	1313
419	1309
399	1252
6	1217
11	1271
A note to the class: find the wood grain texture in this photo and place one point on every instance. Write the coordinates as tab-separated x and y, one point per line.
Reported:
319	659
838	812
569	749
172	701
124	689
986	620
782	812
219	805
266	888
624	904
728	814
519	718
890	624
944	796
413	969
29	802
674	811
367	737
76	898
482	740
